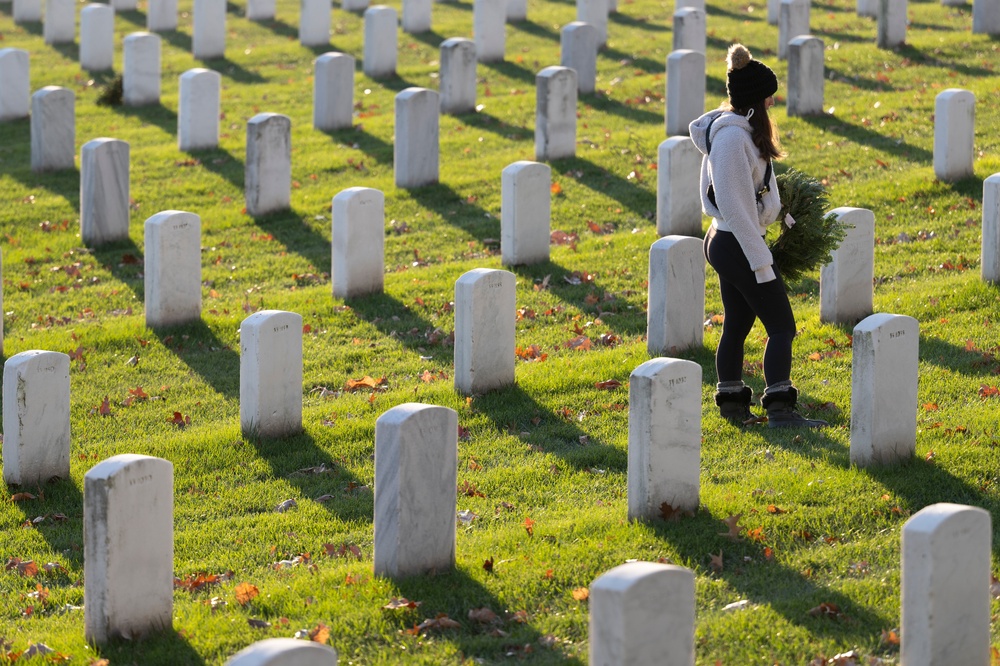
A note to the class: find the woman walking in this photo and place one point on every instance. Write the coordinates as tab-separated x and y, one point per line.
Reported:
739	192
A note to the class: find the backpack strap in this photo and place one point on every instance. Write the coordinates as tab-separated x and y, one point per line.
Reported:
767	183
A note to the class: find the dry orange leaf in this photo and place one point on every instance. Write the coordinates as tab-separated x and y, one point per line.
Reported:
20	497
397	603
320	634
529	526
732	522
484	615
716	561
365	382
581	594
771	508
670	514
608	384
556	188
245	593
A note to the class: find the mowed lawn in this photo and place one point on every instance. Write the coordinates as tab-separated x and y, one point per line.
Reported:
542	464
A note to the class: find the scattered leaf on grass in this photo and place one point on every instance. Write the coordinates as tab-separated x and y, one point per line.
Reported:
488	565
825	609
258	624
732	522
529	526
771	508
20	497
245	593
397	603
483	615
26	568
286	505
608	384
716	561
179	420
442	621
365	382
890	636
320	634
581	593
994	587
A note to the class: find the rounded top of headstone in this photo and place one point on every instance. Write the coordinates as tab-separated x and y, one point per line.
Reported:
268	116
263	316
25	356
678	366
521	165
477	274
103	141
556	70
415	91
669	241
197	72
380	9
11	52
115	464
625	576
457	41
956	93
275	651
408	409
872	322
929	518
54	90
334	55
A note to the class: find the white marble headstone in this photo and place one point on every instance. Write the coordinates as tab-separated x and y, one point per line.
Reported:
945	595
125	5
354	5
846	283
685	90
357	264
884	389
59	26
416	473
773	11
689	29
990	252
209	39
676	307
27	11
664	436
172	275
36	417
268	178
97	37
793	21
458	75
985	17
416	16
517	10
161	15
271	374
333	91
806	73
954	133
488	19
555	113
53	129
14	84
380	49
485	316
141	79
104	191
578	51
284	652
415	150
261	10
642	613
314	22
594	12
868	8
198	111
525	211
678	200
128	547
892	19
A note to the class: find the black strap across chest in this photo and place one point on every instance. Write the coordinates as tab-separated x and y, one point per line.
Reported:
759	194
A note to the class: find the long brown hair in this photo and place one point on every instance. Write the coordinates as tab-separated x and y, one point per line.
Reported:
763	131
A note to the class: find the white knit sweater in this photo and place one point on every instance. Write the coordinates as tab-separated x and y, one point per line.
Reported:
736	170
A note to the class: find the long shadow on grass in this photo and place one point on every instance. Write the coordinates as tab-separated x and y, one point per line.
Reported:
833	74
515	411
455	593
512	71
292	229
371	145
648	65
928	58
567	286
639	22
124	260
395	319
164	647
747	569
15	136
301	461
490	123
608	105
920	483
212	359
867	137
973	362
638	199
537	29
58	497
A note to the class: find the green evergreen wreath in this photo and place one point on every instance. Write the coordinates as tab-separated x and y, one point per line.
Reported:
809	243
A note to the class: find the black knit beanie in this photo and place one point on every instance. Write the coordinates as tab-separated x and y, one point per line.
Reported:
748	81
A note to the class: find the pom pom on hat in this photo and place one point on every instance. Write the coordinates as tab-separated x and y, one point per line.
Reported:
748	81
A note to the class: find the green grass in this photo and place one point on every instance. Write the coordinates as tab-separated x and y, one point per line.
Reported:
552	448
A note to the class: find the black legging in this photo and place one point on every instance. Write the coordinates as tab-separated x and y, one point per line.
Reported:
743	301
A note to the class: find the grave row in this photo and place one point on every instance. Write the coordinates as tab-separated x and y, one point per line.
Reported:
640	612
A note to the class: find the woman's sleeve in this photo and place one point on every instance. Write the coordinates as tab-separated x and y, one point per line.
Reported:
732	177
